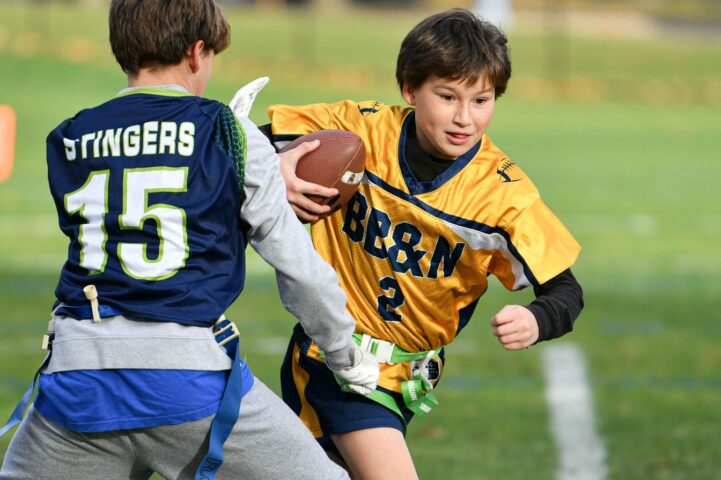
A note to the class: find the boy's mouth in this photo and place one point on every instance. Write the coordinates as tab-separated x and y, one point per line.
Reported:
457	138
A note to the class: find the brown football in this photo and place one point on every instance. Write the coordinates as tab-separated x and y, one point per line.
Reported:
338	163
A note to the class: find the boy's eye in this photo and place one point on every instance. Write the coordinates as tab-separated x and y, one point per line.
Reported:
481	101
446	97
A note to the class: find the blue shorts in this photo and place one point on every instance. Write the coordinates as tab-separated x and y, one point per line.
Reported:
311	391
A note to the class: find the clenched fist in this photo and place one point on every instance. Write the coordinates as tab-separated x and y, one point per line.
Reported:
515	327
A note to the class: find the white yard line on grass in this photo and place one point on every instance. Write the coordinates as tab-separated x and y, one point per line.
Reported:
582	455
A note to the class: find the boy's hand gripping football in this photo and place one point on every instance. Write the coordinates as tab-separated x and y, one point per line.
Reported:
243	100
515	327
356	370
297	189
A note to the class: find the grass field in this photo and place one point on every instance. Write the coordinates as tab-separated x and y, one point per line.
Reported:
624	154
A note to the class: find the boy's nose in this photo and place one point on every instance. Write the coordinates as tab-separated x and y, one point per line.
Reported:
462	115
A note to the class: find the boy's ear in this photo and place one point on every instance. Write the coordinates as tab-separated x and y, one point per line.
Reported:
409	94
194	52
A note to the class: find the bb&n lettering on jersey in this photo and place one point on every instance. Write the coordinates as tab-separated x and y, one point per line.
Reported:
372	227
149	138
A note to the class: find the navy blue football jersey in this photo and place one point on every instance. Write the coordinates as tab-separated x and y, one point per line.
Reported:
148	189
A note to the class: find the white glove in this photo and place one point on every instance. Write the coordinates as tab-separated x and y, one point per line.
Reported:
361	374
245	96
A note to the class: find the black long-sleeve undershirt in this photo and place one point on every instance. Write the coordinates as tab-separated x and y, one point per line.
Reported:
558	304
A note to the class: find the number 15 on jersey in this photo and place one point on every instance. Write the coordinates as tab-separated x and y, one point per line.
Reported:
90	201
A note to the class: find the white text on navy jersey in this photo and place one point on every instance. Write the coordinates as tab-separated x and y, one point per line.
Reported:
149	138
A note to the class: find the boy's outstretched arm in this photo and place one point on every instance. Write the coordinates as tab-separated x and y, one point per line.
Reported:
308	286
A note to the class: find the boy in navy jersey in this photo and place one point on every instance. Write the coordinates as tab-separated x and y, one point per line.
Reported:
159	190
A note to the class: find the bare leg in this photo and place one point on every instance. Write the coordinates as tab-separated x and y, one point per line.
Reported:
339	461
376	454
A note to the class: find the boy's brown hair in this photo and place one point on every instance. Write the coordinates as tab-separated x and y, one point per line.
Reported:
147	33
454	44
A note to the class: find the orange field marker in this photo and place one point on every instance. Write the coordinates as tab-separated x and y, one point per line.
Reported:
7	141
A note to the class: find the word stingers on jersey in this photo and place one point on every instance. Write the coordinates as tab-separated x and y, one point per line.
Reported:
413	257
149	138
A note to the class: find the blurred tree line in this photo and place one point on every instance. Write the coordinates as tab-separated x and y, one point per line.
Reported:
679	7
700	11
691	10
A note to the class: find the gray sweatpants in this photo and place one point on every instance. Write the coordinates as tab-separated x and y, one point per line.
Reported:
268	442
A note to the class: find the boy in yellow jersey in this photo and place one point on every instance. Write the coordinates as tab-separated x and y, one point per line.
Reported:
440	208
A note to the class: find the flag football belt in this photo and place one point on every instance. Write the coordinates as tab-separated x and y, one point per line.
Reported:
417	392
225	333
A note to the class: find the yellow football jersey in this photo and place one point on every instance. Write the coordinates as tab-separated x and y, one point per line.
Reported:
413	257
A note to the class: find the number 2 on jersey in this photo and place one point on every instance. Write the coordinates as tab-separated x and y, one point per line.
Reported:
91	202
394	298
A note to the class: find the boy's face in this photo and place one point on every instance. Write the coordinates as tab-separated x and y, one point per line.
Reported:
451	116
